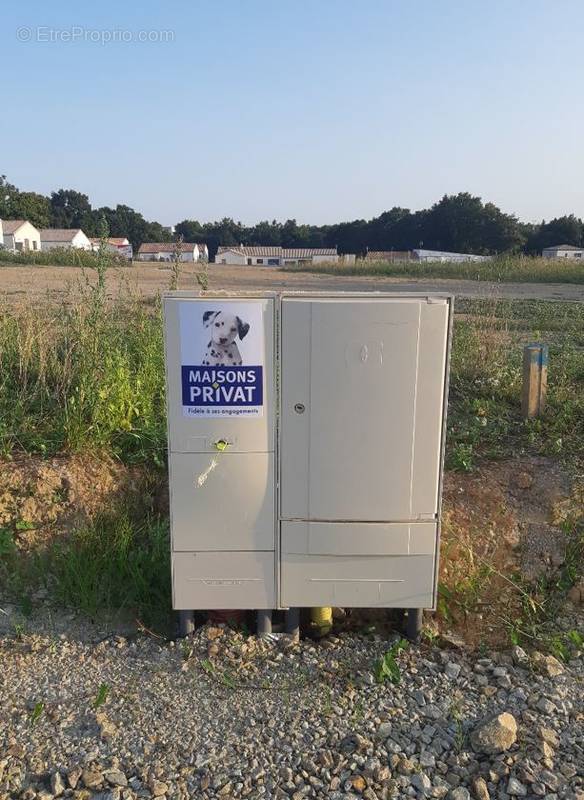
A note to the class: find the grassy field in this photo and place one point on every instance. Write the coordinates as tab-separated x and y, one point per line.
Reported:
88	376
519	269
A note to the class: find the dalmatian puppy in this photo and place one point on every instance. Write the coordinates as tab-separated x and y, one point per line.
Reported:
224	328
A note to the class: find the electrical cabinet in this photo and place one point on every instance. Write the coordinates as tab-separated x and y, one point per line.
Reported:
363	383
222	460
336	499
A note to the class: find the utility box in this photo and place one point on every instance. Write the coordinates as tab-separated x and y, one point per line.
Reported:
363	395
221	436
351	516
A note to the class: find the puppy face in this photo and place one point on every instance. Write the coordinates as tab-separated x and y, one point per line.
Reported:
224	327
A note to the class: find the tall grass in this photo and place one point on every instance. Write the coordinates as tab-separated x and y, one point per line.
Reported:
484	419
83	376
520	269
86	376
115	565
60	257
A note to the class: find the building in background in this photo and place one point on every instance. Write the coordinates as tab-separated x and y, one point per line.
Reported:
119	245
388	255
274	256
64	238
563	251
20	236
164	251
444	256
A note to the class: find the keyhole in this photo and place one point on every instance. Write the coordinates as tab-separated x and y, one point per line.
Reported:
299	408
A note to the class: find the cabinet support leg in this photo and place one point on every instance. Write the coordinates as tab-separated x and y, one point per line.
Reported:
414	623
293	623
186	623
264	621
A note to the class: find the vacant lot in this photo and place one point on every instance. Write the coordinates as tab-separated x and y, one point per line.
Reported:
37	284
504	269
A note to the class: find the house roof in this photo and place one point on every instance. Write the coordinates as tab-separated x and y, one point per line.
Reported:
563	247
12	225
116	240
278	252
59	234
382	255
166	247
304	252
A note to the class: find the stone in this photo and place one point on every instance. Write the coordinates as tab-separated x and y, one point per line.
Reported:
353	743
92	778
549	779
494	734
545	706
480	789
384	730
459	793
405	766
57	784
116	778
547	664
107	730
357	783
576	593
549	736
73	777
452	669
158	788
422	783
515	787
519	656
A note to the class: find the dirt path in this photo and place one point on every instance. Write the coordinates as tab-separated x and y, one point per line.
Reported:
37	283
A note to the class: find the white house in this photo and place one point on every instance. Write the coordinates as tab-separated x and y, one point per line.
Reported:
274	256
444	256
18	235
64	238
563	251
119	245
165	251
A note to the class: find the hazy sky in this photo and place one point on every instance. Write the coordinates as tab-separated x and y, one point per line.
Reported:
321	110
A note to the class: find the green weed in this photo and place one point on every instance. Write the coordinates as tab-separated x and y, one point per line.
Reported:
36	713
111	565
101	696
387	668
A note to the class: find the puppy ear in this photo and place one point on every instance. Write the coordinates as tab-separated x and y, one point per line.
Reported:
208	315
242	327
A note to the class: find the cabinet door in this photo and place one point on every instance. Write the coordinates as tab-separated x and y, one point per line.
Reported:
222	501
362	407
220	373
223	580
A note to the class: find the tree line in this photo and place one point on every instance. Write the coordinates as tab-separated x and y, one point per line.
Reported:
459	223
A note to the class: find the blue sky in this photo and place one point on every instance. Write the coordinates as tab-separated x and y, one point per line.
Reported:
321	110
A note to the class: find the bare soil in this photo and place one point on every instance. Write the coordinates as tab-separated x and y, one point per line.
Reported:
43	499
502	527
39	283
502	530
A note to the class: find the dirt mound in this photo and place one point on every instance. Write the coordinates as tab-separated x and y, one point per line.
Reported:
43	498
502	531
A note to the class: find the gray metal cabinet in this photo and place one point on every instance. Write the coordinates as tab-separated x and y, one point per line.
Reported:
222	460
362	404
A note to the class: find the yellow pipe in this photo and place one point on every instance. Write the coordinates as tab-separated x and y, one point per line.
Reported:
321	620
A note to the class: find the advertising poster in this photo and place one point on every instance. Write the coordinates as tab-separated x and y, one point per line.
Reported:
222	358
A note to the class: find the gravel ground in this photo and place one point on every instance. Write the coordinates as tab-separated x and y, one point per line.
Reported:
228	716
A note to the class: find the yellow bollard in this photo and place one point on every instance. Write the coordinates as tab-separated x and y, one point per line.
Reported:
321	620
